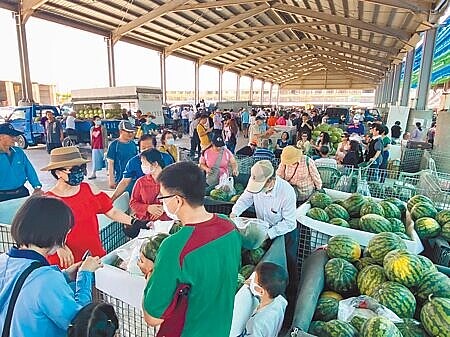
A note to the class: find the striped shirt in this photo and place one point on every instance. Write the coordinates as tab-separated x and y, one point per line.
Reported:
263	154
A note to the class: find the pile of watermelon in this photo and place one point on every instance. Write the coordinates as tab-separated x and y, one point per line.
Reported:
334	132
407	284
361	213
224	194
249	259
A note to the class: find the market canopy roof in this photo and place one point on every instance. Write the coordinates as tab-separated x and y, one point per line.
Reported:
315	44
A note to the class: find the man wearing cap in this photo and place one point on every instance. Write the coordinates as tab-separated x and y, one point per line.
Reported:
274	200
15	168
356	127
120	151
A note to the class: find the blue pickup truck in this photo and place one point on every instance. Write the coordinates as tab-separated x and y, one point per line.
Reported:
29	120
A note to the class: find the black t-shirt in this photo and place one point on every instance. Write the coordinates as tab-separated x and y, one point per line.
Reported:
396	131
304	128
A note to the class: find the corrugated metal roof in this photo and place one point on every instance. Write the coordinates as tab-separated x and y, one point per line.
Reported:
298	44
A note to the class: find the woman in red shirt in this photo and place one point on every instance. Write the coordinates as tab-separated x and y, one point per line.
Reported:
85	201
144	198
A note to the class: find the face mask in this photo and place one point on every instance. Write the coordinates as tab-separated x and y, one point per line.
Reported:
170	141
253	287
173	215
75	177
53	250
146	169
98	123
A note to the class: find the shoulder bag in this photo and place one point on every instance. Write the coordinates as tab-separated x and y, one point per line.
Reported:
212	178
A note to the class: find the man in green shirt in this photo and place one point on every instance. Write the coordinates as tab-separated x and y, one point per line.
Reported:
201	260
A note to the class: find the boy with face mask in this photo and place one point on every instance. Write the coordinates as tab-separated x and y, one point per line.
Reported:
267	284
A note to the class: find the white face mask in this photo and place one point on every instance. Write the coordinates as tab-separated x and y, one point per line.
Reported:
253	287
146	169
170	141
98	123
53	250
173	215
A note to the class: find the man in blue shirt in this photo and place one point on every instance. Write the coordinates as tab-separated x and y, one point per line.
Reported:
133	169
15	168
245	120
263	153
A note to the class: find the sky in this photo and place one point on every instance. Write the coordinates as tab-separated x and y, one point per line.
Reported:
74	59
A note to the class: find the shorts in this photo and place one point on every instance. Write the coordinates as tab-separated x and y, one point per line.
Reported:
245	126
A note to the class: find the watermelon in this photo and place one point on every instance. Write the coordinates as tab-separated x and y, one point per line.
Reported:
358	322
426	227
435	317
354	204
436	284
175	227
339	222
375	223
403	236
318	214
340	276
150	247
397	225
354	223
256	255
445	231
337	328
390	210
331	294
380	327
427	265
369	279
403	267
396	297
411	328
383	243
443	217
337	211
320	200
344	247
371	207
240	281
339	202
400	205
317	328
417	199
247	270
364	262
326	310
423	210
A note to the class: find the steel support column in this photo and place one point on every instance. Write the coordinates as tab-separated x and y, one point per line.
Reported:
396	86
383	91
261	99
425	68
27	87
197	82
375	98
389	86
111	62
220	84
162	66
278	95
250	96
238	87
404	101
270	93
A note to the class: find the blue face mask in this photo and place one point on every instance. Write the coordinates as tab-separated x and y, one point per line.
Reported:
76	176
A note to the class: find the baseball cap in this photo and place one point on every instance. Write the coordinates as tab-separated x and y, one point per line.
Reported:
218	141
261	172
8	129
126	126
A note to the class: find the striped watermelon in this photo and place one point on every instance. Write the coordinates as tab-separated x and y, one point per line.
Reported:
339	222
318	214
337	328
344	247
371	207
435	317
443	217
317	328
326	310
375	223
416	199
358	322
426	227
400	205
445	231
397	225
423	210
364	262
354	203
383	243
331	294
337	211
340	276
396	297
320	200
411	328
354	223
403	267
390	210
427	265
340	203
370	278
379	326
436	284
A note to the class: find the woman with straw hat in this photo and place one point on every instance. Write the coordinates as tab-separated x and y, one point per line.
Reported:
69	168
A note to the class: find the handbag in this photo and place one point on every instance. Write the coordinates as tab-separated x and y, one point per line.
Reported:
212	178
17	287
175	315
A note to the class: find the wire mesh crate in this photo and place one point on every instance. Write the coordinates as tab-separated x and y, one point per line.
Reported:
440	251
112	236
6	240
411	160
131	319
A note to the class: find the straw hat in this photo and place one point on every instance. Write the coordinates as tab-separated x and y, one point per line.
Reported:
290	155
64	157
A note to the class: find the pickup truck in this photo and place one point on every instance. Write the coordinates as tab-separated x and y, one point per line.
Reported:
28	119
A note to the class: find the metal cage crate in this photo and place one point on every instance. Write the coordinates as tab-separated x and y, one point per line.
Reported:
112	236
440	251
6	240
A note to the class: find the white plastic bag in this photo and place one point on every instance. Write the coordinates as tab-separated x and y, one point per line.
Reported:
226	184
364	306
253	231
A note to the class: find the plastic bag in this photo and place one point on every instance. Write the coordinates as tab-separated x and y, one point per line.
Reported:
253	231
226	184
364	306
